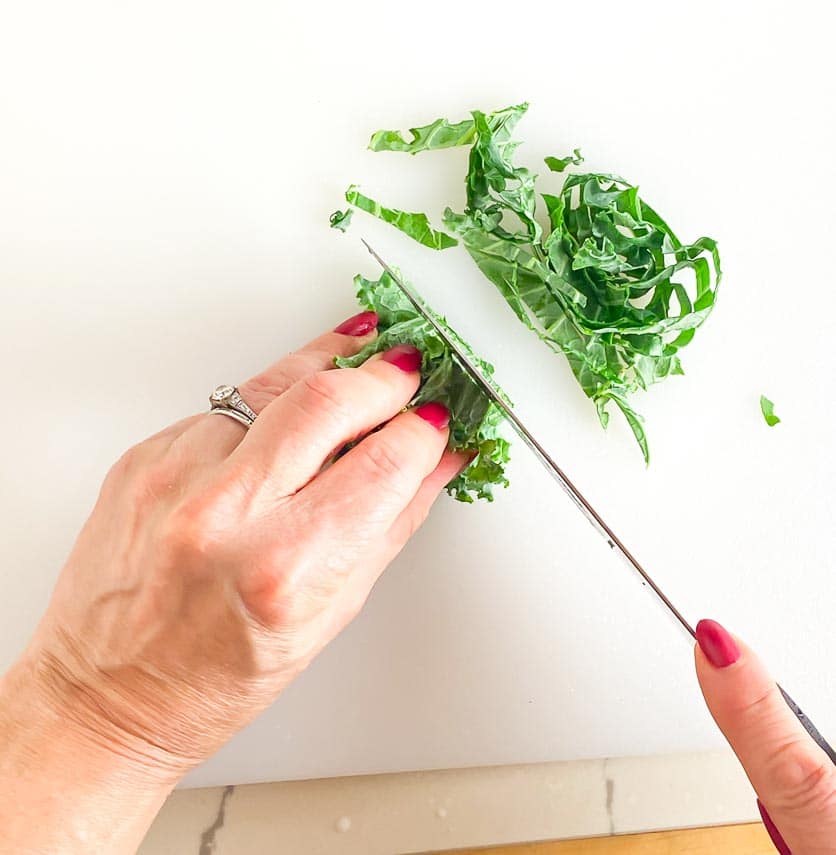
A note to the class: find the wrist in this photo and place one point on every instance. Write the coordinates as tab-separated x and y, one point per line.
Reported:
75	785
53	691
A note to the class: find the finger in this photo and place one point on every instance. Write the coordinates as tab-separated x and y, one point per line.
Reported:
793	777
301	429
413	516
348	338
218	436
369	488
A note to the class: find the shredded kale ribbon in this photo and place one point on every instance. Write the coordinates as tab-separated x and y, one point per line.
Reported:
598	275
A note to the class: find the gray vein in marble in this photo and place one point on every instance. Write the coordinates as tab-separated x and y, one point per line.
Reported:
207	839
610	793
609	784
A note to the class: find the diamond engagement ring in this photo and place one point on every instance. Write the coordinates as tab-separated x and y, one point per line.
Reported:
226	401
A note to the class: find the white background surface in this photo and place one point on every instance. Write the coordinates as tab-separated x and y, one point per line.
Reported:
166	174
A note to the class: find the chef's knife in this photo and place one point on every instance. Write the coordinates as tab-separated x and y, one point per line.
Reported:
562	479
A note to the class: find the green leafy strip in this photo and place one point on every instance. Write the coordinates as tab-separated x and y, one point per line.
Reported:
439	134
558	164
475	422
602	285
417	226
768	410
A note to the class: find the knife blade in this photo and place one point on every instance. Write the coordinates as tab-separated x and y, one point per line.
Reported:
594	518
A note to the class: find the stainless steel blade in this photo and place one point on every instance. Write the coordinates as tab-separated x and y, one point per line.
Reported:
540	453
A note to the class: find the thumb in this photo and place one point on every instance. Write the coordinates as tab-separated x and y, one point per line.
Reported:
794	779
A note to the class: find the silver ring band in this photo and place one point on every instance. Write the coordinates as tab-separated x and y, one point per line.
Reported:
233	415
228	402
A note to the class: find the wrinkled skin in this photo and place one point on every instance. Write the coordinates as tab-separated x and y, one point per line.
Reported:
218	561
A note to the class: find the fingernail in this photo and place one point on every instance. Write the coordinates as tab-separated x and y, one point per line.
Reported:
436	414
718	646
774	834
407	357
359	324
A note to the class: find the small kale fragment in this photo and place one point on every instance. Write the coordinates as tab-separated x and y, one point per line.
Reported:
341	219
558	164
475	421
768	410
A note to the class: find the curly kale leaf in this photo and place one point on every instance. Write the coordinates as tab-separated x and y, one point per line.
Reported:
475	421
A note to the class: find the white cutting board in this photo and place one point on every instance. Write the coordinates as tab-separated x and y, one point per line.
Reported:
167	173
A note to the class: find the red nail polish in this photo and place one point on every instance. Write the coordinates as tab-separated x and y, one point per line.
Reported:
436	414
407	357
360	324
718	646
772	831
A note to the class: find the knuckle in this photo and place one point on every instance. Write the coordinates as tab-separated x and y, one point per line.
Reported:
760	707
158	478
189	534
141	479
125	466
274	578
269	597
264	388
282	597
323	395
383	459
805	783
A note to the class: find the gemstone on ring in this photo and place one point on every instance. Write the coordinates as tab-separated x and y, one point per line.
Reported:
227	401
222	394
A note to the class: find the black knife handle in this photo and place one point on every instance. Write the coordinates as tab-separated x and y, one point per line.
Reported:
809	727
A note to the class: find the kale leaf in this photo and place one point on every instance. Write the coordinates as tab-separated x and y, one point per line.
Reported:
475	421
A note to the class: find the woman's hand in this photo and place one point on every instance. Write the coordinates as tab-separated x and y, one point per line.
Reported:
218	562
794	779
